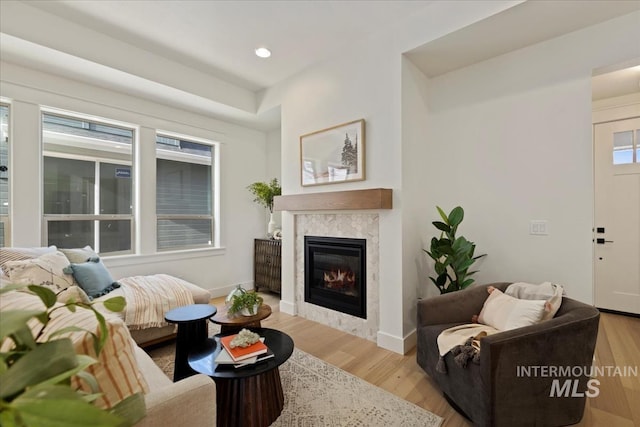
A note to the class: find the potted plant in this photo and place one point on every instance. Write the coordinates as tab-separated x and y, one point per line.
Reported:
453	255
264	193
245	303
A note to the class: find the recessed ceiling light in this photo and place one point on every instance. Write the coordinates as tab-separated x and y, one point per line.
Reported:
263	52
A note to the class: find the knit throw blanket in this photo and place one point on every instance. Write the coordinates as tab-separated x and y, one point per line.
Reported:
463	341
150	297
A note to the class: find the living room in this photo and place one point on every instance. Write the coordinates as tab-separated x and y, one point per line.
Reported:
506	136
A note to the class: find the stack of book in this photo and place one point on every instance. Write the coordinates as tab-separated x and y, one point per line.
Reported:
242	356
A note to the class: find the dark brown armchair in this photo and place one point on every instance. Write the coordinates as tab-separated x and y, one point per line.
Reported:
505	388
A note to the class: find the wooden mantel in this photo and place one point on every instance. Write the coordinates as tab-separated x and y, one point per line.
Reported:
374	198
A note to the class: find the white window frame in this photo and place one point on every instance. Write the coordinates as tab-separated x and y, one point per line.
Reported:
6	219
214	163
104	146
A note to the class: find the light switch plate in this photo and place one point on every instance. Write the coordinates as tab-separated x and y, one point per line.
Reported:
538	228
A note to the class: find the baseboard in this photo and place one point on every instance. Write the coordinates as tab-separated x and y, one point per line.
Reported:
397	344
287	307
410	341
621	313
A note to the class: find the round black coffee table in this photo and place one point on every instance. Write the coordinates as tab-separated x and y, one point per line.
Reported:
192	331
250	396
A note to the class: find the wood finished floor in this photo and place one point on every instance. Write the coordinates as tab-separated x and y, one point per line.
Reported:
618	404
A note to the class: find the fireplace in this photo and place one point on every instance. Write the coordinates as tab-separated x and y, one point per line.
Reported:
335	274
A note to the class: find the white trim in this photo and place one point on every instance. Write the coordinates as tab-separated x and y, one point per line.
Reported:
391	342
288	307
161	257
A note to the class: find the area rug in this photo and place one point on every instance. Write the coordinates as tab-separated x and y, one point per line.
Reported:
318	394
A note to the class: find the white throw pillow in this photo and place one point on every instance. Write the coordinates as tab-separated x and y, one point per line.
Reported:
18	254
504	312
550	292
46	270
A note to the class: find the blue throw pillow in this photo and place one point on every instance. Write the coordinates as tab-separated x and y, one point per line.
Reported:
93	277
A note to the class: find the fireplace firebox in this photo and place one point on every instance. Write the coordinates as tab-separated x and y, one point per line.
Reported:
335	274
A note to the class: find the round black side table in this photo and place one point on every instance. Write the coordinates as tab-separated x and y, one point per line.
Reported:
250	396
192	331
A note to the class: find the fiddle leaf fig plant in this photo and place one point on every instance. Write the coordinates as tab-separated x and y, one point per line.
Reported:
453	255
35	374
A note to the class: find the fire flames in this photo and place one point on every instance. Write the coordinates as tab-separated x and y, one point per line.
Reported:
338	279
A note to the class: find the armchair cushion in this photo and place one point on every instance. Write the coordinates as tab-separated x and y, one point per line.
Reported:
550	292
505	312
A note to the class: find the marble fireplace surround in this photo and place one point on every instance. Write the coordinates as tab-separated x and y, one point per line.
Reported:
310	220
358	226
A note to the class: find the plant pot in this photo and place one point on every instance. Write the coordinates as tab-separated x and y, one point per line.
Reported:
271	227
245	311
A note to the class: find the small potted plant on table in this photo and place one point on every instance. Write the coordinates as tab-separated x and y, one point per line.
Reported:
246	303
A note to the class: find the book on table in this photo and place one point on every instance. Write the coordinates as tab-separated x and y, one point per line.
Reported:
239	354
223	358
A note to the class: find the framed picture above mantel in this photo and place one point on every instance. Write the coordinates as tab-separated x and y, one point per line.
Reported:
333	155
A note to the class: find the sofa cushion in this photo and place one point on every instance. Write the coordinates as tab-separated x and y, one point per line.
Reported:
116	372
78	255
45	270
505	312
74	292
94	278
19	254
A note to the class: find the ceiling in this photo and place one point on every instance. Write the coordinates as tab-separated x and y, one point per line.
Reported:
217	39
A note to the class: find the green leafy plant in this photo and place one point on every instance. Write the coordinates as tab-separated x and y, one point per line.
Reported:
35	374
265	192
246	299
453	255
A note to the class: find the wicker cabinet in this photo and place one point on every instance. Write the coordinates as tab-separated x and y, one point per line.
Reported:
266	265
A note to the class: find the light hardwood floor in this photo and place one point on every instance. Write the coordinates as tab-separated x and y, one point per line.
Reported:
618	404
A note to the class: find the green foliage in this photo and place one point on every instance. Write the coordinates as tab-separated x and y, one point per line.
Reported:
35	374
265	192
453	255
246	299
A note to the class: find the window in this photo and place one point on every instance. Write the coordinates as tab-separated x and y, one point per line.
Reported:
88	190
626	148
184	194
4	175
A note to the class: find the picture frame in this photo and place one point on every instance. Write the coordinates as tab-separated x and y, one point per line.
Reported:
333	155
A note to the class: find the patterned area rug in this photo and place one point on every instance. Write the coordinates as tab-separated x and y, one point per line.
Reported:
318	394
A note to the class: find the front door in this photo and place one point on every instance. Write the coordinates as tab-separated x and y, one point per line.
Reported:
617	215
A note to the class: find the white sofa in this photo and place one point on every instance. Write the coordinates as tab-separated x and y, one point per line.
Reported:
190	402
154	335
143	337
123	368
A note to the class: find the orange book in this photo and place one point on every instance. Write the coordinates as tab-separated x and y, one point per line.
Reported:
241	353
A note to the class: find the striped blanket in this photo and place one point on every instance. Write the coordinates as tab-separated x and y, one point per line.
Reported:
150	297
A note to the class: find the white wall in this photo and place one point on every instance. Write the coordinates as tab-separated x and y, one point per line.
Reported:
243	153
365	82
417	206
510	140
274	164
